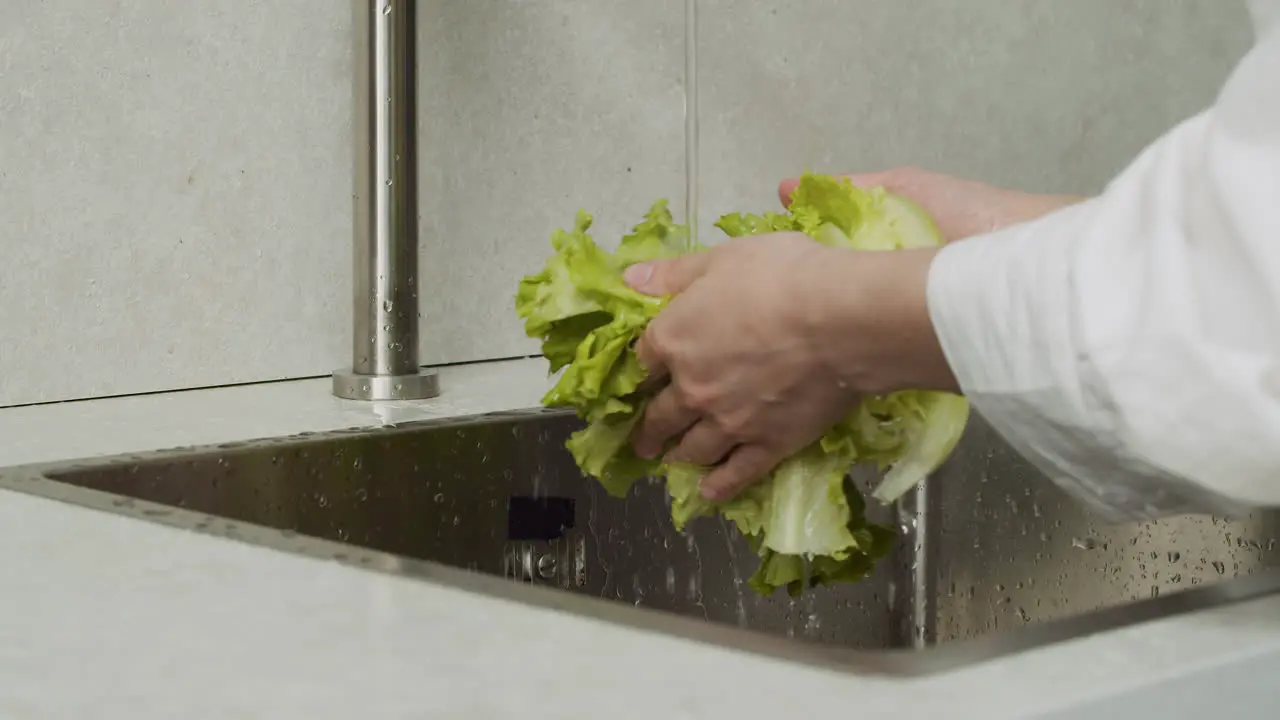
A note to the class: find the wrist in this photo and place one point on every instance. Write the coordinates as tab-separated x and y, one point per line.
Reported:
1025	207
872	329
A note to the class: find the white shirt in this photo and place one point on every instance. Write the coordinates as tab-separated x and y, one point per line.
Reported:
1130	346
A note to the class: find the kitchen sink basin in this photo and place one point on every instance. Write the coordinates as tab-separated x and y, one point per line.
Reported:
989	549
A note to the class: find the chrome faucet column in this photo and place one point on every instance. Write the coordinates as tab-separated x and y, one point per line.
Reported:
385	232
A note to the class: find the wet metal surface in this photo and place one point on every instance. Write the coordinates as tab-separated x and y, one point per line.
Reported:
988	547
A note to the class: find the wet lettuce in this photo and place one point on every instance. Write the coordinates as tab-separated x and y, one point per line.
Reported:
806	520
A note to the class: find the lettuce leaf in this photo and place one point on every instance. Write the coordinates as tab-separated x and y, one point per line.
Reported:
806	520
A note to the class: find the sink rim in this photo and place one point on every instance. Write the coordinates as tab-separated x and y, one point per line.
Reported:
40	480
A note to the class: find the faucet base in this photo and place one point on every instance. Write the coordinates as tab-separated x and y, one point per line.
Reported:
350	385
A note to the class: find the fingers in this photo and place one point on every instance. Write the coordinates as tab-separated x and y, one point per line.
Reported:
890	180
666	417
651	360
893	180
664	278
785	189
704	444
746	465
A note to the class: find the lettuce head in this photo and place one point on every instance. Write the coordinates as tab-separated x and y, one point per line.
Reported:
806	520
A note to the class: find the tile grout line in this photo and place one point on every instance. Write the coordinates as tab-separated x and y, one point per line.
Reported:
250	383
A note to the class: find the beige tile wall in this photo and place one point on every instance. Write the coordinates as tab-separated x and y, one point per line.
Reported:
174	177
1040	94
174	193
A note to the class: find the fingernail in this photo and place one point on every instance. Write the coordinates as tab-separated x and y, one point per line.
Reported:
637	276
709	492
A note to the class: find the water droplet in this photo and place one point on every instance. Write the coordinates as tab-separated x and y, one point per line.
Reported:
1087	543
812	623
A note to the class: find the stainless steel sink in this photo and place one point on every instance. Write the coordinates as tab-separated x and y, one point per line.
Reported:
988	546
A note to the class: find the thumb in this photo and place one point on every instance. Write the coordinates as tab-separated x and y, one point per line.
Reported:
667	277
785	190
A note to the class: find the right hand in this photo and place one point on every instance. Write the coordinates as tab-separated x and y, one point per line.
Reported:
960	208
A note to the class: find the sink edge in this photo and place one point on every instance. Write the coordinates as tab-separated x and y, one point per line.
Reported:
38	480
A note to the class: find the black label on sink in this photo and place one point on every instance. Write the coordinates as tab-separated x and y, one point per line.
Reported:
538	518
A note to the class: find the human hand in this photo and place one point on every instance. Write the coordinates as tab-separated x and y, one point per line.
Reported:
960	208
769	340
738	344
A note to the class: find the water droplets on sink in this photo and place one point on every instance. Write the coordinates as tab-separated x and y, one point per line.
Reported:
1084	543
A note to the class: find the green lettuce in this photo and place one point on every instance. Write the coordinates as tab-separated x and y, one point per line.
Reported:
806	520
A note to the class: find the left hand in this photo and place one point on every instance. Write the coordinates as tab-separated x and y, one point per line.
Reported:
746	342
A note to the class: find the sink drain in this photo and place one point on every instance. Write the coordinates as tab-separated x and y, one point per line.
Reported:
560	562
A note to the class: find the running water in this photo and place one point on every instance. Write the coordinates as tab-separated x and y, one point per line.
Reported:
691	118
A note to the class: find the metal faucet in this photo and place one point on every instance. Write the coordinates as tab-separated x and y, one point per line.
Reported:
385	230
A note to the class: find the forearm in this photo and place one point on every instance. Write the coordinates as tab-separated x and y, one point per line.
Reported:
1128	345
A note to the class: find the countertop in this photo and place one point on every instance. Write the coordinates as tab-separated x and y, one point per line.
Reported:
104	616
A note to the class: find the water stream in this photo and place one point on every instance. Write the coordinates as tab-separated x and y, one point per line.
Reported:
691	118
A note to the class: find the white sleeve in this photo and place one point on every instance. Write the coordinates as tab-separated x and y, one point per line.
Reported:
1130	346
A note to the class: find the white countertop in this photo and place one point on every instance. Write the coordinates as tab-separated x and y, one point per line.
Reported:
103	616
